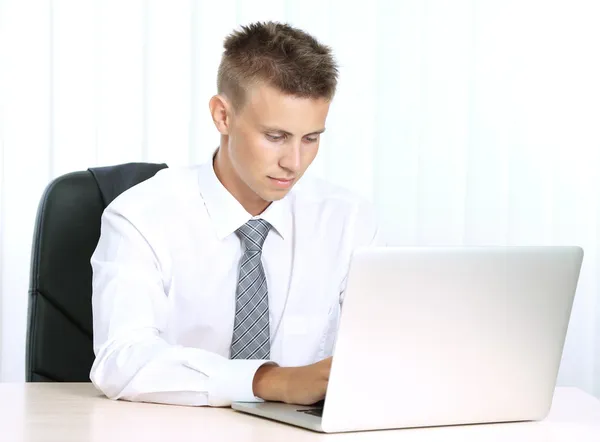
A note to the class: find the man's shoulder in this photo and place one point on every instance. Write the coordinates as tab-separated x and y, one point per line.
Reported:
312	189
162	191
340	207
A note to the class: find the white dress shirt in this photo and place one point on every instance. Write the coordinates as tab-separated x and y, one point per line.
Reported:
165	274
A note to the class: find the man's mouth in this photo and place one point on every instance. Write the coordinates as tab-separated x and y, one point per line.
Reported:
282	182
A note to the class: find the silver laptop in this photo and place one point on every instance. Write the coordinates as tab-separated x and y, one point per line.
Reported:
444	336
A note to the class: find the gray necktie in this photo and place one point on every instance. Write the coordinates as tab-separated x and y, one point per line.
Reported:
251	336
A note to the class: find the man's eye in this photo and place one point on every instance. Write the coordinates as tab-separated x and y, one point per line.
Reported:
274	137
311	140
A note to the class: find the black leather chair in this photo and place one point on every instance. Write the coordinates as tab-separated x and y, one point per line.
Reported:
67	228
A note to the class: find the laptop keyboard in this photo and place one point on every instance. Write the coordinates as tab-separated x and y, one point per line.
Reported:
312	411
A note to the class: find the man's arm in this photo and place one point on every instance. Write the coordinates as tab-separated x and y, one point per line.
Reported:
293	385
364	232
130	310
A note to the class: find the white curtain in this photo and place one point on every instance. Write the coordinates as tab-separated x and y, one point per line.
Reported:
470	122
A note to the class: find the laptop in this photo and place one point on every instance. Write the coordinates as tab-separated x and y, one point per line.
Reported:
444	336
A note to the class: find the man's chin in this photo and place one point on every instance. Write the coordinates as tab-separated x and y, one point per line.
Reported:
274	195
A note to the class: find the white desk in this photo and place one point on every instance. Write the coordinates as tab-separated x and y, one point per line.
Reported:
77	412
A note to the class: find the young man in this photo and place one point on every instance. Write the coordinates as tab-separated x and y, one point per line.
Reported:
224	282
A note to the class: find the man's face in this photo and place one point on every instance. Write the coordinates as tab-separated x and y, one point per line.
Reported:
273	139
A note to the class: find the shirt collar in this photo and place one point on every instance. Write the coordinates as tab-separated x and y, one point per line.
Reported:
227	214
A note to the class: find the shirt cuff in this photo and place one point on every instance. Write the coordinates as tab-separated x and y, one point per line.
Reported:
233	382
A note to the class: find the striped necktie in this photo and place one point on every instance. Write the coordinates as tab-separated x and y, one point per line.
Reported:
251	335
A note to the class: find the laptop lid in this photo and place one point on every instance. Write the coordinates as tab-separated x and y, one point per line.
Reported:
451	335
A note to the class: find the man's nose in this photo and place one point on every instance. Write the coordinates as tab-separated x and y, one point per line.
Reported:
291	157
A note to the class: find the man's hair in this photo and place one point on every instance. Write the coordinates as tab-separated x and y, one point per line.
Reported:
280	56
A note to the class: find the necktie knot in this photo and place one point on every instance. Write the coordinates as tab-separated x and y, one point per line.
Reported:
253	234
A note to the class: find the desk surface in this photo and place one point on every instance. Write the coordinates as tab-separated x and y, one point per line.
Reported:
77	412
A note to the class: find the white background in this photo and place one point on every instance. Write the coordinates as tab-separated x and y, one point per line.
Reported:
470	122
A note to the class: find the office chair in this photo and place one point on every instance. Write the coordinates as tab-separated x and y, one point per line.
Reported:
67	229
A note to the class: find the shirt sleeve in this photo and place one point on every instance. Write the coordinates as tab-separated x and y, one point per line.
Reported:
367	232
130	307
364	231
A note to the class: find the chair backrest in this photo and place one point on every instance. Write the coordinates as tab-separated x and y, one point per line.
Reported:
67	229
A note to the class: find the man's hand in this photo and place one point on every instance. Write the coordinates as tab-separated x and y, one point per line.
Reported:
293	385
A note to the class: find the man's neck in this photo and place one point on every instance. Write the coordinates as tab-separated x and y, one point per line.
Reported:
250	201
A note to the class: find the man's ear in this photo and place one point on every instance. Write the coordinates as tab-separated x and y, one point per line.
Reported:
220	111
